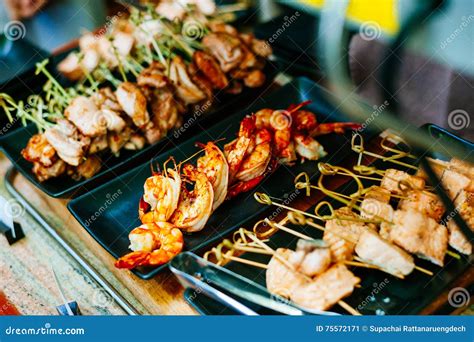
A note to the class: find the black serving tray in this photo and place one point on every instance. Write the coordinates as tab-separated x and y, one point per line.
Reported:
17	138
380	293
112	224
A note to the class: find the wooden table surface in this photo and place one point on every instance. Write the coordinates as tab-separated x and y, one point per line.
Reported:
27	280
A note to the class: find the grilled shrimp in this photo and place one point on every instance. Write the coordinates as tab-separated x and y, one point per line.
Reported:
236	150
161	193
194	206
152	244
256	163
214	165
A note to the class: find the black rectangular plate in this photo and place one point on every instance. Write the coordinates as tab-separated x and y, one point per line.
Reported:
115	218
13	142
380	293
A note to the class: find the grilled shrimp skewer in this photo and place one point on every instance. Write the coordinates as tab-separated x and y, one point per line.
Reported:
195	206
153	244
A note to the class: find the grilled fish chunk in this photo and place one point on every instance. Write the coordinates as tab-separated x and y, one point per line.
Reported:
423	201
281	279
374	250
418	234
326	289
464	204
371	208
378	193
342	235
454	182
397	181
311	257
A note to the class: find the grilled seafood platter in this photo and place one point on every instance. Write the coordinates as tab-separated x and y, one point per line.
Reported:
134	83
185	195
396	225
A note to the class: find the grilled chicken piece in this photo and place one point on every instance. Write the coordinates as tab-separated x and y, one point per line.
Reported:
221	27
86	116
73	66
113	120
98	144
133	102
371	208
378	193
374	250
67	142
153	76
120	47
225	48
87	168
136	142
423	201
185	88
326	289
210	68
418	234
255	79
117	140
342	235
105	98
311	257
54	170
397	182
281	279
165	109
39	150
464	204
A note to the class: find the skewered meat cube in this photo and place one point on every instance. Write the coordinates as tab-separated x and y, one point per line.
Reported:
326	289
210	68
342	235
225	48
397	181
67	142
311	257
185	88
117	140
133	102
281	279
423	201
454	182
371	208
39	150
378	193
85	115
54	170
374	250
87	168
153	76
464	204
457	240
418	234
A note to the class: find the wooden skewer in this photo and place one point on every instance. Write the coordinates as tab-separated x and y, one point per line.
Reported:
349	308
